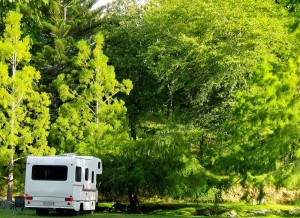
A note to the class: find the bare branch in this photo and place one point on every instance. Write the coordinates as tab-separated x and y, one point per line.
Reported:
16	105
4	177
93	112
110	97
15	160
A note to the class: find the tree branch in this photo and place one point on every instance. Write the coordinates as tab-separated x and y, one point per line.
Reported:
16	105
93	112
4	177
15	160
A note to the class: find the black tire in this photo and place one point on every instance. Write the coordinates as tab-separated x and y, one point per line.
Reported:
75	212
60	211
40	211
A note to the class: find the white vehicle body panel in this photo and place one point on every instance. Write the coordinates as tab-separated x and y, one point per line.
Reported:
62	182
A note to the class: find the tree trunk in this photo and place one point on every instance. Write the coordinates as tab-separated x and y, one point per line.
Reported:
218	197
65	14
133	129
170	103
201	146
133	201
97	111
10	173
10	179
132	117
261	195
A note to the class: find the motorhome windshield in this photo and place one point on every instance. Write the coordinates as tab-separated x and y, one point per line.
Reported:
49	172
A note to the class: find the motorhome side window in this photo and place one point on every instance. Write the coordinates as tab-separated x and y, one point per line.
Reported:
78	174
86	174
99	165
93	175
49	172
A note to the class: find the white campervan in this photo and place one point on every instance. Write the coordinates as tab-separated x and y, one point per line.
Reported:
64	182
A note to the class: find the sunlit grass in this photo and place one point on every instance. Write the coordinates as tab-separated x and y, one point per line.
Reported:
184	210
27	213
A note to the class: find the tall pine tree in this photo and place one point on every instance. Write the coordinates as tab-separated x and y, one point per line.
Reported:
24	113
91	109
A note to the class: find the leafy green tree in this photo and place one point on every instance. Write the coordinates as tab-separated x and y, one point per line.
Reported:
290	5
211	50
163	165
264	128
24	112
32	11
196	54
91	108
211	47
65	23
55	56
124	31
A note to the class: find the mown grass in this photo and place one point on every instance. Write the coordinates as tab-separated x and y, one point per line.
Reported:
27	213
165	210
222	210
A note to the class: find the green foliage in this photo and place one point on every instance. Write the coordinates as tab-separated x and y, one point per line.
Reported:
264	130
196	55
91	108
54	55
32	11
24	112
210	98
291	5
163	165
211	47
126	46
63	25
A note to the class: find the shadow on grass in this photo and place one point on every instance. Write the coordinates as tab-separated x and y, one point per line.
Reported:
170	210
222	210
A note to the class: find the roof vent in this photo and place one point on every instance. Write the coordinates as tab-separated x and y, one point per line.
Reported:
68	155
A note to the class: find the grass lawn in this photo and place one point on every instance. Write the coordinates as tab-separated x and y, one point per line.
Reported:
180	210
28	213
